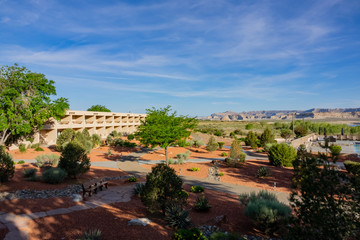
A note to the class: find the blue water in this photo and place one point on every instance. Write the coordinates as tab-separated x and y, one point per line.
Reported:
357	147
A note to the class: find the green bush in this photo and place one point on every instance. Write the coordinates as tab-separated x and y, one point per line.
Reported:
224	154
36	145
225	236
268	146
267	137
194	169
192	234
300	131
352	167
94	234
202	204
221	144
130	137
96	140
263	172
66	136
39	149
7	168
212	144
183	194
197	189
335	150
31	172
197	143
251	140
21	162
22	148
47	160
182	143
74	160
249	126
133	179
177	217
236	153
221	174
246	198
116	134
171	161
282	155
162	188
54	175
183	156
139	188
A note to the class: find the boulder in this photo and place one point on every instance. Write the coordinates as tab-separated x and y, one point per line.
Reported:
139	222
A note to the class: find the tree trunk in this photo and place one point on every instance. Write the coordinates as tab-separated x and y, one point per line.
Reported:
166	156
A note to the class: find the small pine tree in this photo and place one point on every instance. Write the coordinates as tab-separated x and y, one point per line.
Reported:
66	136
235	150
251	139
282	155
267	137
212	144
74	160
7	168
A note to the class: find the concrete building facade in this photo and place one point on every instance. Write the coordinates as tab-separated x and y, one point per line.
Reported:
101	123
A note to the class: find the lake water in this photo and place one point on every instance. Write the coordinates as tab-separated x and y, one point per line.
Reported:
357	147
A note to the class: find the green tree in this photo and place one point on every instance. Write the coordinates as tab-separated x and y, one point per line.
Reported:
251	139
98	108
162	188
26	103
74	160
163	128
300	130
7	168
267	137
212	144
282	155
285	133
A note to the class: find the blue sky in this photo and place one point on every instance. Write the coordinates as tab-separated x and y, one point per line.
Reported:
200	57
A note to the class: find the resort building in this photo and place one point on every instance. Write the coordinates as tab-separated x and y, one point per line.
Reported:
101	123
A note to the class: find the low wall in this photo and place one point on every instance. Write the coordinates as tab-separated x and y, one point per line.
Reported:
304	140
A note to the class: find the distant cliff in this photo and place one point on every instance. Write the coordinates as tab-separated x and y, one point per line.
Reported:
315	113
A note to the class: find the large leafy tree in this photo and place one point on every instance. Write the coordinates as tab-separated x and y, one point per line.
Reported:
163	128
25	102
98	108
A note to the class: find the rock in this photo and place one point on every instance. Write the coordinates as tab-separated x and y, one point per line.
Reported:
139	222
220	219
76	197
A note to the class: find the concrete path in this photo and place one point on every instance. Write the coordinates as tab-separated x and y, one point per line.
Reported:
18	225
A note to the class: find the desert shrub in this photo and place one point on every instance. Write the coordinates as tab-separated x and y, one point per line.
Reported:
31	172
74	160
267	137
221	174
109	140
35	145
39	149
238	132
96	140
21	162
22	148
285	133
183	156
83	138
179	161
94	234
194	169
335	150
182	143
225	236
133	179
139	188
47	159
162	187
130	137
220	144
177	217
197	189
198	143
54	175
300	130
218	132
236	152
202	204
183	195
66	136
263	172
245	198
268	146
192	234
7	168
282	155
109	153
251	140
171	161
352	167
116	134
212	144
249	126
224	154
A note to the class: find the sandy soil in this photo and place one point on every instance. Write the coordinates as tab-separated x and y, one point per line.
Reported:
31	153
101	154
195	153
245	175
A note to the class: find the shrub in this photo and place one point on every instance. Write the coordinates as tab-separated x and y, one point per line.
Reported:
251	140
183	156
109	152
83	139
352	167
192	234
139	188
74	160
22	148
109	140
197	189
66	136
177	217
220	144
268	146
21	162
197	143
246	198
183	194
7	167
133	179
94	234
236	153
182	143
285	133
96	140
162	187
221	174
225	236
116	134
31	172
171	161
36	145
267	137
212	144
218	132
224	154
282	155
202	204
300	130
39	149
335	150
130	137
194	169
263	172
249	126
54	175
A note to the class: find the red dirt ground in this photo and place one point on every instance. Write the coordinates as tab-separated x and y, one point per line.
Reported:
101	154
